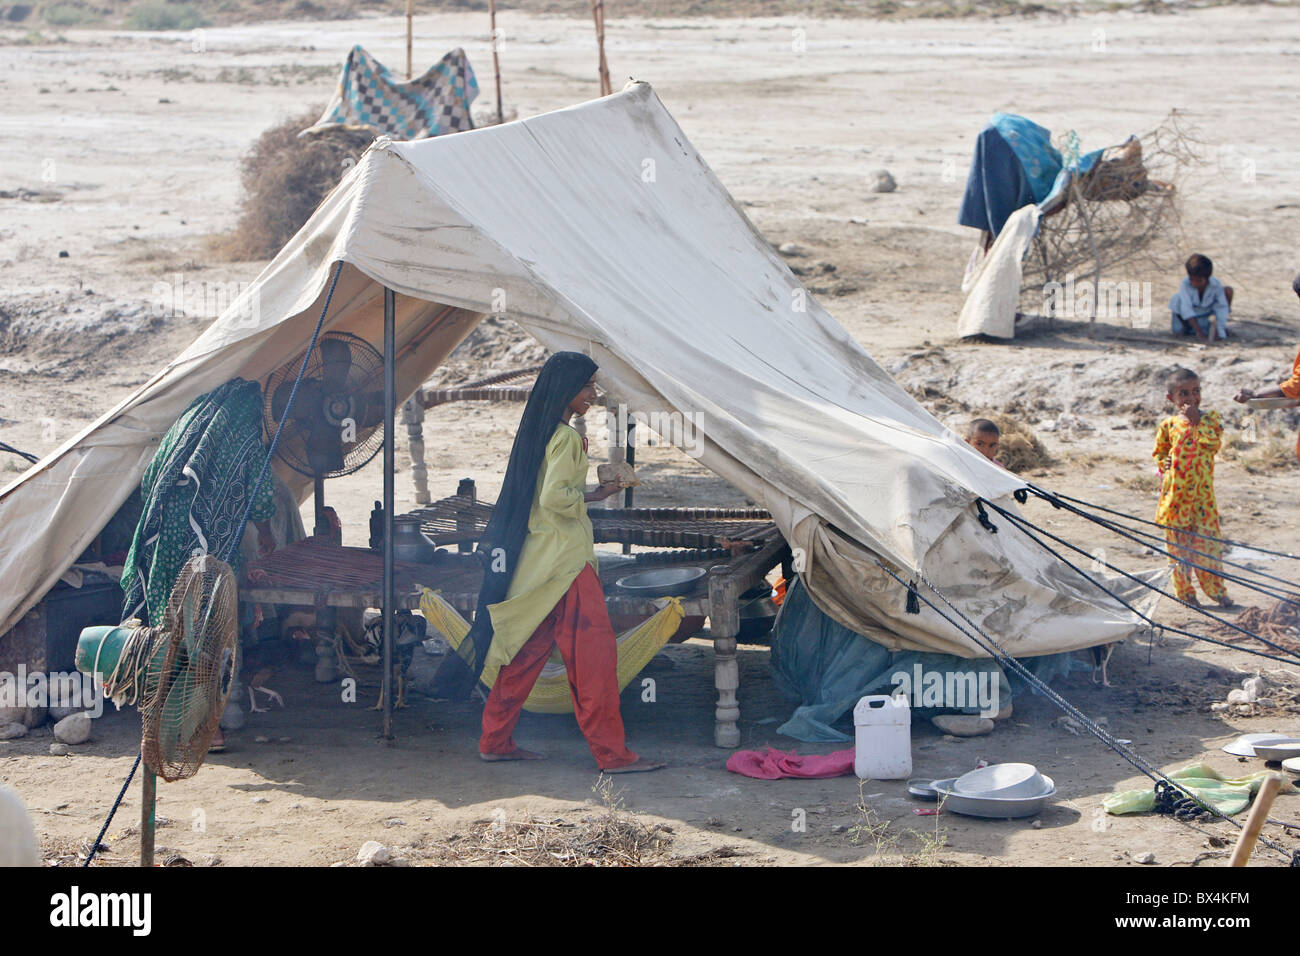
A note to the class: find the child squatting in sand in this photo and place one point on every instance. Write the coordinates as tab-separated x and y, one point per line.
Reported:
1186	444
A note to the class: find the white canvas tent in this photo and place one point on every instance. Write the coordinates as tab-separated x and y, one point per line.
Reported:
599	228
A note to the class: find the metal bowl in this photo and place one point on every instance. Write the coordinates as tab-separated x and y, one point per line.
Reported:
661	582
1244	746
922	788
993	808
1001	780
1278	749
1272	402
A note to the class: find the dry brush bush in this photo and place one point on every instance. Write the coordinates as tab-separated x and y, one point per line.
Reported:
284	179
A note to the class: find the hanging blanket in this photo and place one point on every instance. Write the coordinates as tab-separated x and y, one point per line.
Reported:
195	491
1016	165
368	97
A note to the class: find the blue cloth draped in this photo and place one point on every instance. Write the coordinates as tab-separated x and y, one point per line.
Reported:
828	668
1015	164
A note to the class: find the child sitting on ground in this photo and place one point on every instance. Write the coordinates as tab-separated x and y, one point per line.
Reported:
1186	444
984	437
1200	296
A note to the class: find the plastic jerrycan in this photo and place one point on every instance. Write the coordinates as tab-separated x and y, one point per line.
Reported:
883	736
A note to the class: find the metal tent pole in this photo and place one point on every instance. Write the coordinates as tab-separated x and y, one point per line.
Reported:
390	414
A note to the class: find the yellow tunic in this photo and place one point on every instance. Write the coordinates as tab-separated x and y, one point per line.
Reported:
559	543
1185	454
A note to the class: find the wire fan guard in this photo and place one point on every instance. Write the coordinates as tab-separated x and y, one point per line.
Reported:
190	676
336	423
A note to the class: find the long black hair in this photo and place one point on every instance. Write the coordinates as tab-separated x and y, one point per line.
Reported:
563	376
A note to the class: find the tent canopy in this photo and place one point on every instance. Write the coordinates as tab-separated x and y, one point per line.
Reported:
599	228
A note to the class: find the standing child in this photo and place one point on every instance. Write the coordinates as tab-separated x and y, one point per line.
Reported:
1200	296
1186	444
540	589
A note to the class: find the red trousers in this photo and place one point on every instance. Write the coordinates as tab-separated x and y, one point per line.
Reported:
579	625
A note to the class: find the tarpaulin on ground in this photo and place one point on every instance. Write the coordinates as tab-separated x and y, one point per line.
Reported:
828	668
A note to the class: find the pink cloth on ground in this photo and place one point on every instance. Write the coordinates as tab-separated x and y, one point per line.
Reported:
776	764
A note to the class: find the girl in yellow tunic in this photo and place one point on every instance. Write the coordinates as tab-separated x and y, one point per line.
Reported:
1186	444
540	588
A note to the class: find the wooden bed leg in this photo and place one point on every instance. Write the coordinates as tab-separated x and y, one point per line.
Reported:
413	419
724	625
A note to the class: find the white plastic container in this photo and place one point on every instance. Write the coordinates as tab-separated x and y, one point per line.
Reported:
883	731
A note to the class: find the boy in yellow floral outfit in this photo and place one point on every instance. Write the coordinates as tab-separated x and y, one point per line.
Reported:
1186	444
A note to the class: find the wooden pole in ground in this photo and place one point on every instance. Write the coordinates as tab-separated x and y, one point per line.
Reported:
496	63
598	16
1255	822
410	14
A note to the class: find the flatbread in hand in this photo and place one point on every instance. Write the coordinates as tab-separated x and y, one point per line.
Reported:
619	471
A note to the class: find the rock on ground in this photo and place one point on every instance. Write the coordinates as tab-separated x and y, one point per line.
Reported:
963	725
73	730
882	181
374	853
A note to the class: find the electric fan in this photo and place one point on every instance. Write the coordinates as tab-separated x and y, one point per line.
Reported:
336	422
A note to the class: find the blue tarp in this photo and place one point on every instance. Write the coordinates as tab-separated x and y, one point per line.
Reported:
1015	164
828	668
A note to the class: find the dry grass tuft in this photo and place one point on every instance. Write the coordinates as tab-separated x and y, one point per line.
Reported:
1273	455
1020	449
285	178
611	837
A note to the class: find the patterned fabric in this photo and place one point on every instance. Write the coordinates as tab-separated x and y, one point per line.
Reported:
1184	453
195	491
368	97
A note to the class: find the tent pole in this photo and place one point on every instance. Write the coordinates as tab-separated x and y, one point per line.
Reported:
322	526
496	63
410	12
629	456
390	414
598	16
148	820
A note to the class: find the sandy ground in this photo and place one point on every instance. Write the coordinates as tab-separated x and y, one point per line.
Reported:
127	147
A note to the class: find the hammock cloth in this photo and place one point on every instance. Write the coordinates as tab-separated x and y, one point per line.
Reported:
195	491
550	694
1228	795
